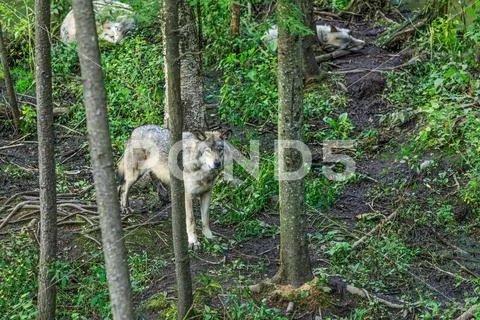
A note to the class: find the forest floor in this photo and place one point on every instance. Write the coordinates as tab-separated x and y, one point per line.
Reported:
431	268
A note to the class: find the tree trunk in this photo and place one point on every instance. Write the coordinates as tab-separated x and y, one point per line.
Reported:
177	190
190	71
294	260
12	98
46	161
235	20
310	66
102	161
199	26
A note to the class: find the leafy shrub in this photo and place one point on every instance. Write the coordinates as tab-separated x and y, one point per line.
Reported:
18	265
249	91
250	197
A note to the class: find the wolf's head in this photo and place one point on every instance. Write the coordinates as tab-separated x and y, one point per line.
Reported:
338	38
210	148
115	32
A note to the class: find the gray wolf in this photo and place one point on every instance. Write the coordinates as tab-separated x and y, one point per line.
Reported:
330	38
147	151
114	20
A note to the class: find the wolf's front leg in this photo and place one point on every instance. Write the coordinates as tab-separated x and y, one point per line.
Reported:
192	237
204	206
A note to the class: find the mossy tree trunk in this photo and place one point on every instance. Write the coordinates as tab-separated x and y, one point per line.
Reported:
190	70
46	162
177	190
95	100
295	266
11	96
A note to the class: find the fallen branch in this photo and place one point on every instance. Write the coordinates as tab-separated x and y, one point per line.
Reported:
332	55
91	238
12	146
378	226
470	313
380	70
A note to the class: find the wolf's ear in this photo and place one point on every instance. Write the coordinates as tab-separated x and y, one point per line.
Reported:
199	135
226	135
333	29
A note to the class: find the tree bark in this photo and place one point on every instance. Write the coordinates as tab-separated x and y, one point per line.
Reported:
295	266
46	161
177	190
310	66
235	20
190	71
12	98
102	161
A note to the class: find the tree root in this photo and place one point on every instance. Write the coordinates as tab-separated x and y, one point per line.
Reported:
470	313
333	283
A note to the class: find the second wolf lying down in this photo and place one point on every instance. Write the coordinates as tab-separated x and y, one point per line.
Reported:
147	152
330	38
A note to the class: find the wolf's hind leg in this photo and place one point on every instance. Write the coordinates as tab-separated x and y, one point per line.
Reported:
204	206
131	176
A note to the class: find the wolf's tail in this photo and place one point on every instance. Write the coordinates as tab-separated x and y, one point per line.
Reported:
121	170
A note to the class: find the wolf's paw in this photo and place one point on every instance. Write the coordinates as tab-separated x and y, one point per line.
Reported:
126	210
194	245
209	235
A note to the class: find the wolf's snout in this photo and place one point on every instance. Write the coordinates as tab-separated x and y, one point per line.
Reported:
217	164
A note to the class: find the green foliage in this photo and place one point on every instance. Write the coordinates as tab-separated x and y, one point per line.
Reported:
18	23
444	89
381	263
290	18
249	91
133	81
320	192
24	80
28	119
18	265
134	84
250	310
81	282
252	196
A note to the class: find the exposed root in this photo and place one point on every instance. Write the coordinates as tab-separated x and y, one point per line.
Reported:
317	289
470	313
341	286
67	207
332	55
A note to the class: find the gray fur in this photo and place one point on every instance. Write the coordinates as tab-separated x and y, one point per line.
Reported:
147	151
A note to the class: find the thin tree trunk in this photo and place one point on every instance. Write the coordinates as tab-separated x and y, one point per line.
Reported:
46	161
102	161
190	71
175	110
310	66
12	98
295	266
235	20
